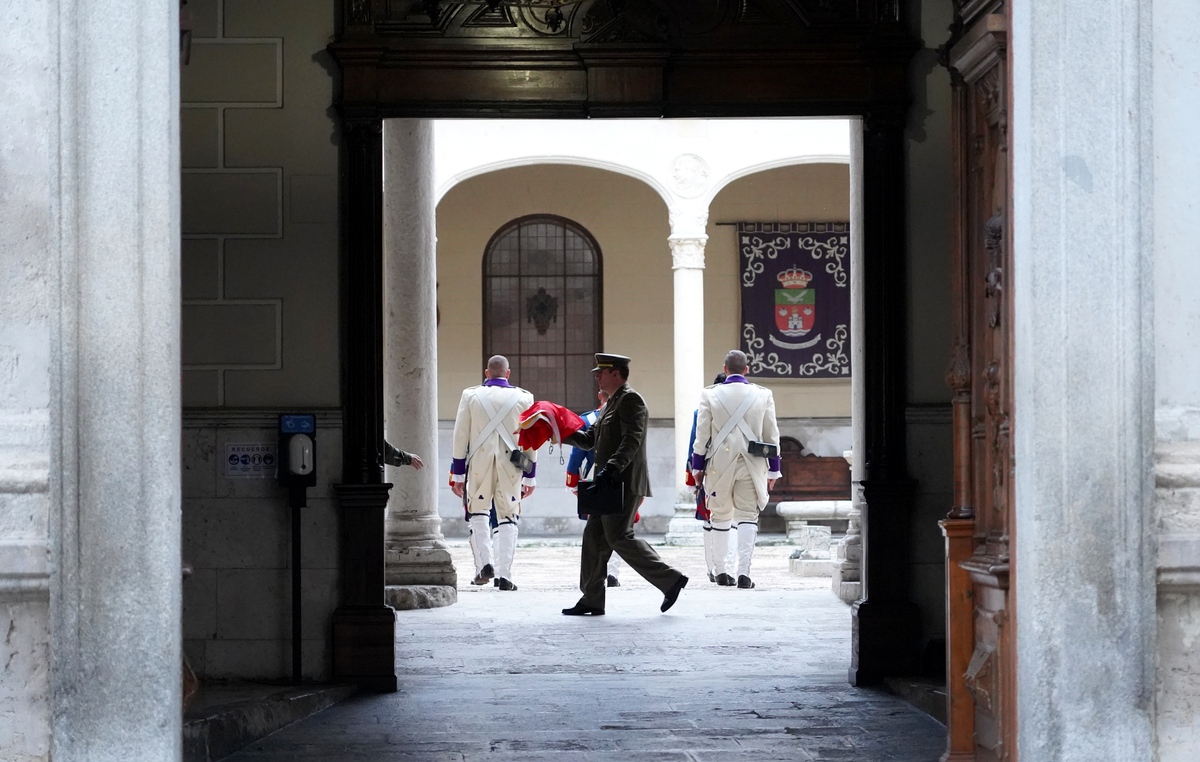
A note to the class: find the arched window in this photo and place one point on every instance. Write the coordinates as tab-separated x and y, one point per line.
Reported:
541	307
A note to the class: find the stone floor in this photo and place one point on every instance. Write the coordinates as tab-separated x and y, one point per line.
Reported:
727	674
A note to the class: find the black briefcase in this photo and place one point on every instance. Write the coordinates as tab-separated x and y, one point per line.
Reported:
601	499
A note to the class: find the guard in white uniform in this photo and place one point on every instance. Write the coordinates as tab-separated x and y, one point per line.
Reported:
483	471
736	482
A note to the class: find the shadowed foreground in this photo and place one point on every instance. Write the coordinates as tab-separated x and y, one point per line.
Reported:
727	674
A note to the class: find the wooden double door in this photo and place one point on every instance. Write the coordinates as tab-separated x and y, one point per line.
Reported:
981	654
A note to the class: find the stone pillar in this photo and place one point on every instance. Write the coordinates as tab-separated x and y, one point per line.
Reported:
886	624
687	258
90	402
1083	432
363	625
417	555
847	573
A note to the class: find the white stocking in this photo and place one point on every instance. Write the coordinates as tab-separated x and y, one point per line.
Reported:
506	548
720	546
747	533
481	540
614	565
708	548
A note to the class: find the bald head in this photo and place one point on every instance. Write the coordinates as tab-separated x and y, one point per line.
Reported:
497	367
736	362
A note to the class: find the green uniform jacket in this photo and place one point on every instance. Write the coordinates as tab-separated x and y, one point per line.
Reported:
619	439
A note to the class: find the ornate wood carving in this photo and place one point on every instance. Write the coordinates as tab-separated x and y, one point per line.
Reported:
619	57
981	692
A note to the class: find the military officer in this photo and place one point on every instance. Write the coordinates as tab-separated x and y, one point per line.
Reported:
484	472
619	439
734	418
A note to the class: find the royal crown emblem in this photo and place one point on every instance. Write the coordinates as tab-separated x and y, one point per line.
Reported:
794	277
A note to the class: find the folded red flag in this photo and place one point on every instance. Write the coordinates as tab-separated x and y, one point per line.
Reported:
546	422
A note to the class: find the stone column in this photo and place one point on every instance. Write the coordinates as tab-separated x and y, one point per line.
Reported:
90	405
419	570
687	258
886	624
363	626
847	574
1083	403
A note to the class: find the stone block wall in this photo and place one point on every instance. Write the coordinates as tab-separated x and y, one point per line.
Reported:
237	538
259	186
259	153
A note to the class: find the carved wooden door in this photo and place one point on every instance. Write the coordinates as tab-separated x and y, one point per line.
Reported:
981	667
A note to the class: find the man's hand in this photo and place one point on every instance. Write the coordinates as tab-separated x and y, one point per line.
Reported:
608	477
457	488
416	463
771	484
526	492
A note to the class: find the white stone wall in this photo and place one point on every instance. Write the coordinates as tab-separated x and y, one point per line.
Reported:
27	313
1177	368
1084	379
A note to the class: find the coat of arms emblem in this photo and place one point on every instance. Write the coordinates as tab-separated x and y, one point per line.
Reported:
795	303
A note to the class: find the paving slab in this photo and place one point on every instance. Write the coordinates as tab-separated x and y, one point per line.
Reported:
726	674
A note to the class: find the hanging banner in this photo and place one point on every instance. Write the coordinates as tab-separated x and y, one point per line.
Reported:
795	280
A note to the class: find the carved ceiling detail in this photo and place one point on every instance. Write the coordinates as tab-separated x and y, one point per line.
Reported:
612	21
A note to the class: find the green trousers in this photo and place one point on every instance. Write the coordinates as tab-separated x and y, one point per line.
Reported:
605	535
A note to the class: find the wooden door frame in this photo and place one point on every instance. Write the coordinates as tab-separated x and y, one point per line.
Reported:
401	60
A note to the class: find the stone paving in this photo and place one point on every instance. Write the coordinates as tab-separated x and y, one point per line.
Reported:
727	674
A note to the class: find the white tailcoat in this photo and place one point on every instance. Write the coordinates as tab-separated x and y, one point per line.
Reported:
490	475
729	458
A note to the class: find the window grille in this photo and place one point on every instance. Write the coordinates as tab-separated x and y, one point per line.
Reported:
542	307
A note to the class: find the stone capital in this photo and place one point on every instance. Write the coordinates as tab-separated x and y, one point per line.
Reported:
689	220
687	253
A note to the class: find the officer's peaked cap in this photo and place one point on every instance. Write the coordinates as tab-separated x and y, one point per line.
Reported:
605	362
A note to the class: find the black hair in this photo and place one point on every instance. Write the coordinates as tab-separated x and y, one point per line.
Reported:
720	379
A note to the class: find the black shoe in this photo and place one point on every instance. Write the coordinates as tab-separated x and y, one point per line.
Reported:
712	577
673	593
744	583
496	582
613	581
505	584
486	573
724	580
580	609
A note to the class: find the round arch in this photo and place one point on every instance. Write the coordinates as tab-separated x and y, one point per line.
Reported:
754	169
533	161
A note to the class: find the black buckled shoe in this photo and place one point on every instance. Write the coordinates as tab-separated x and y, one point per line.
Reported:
673	594
505	584
613	581
580	609
486	573
744	583
724	580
